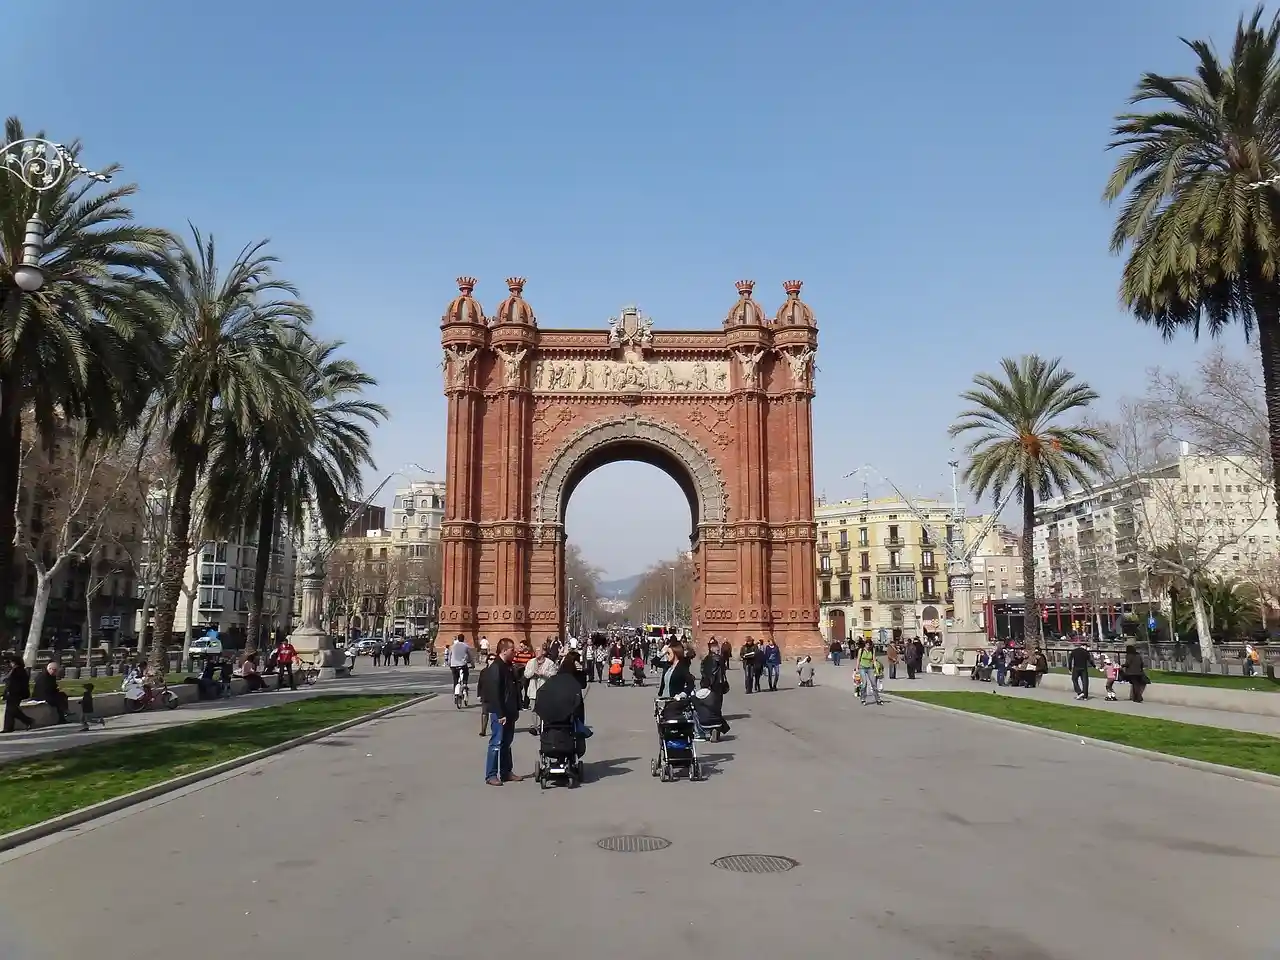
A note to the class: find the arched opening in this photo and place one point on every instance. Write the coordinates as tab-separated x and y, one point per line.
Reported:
836	629
628	525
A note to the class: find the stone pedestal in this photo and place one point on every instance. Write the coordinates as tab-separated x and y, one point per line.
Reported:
962	641
311	640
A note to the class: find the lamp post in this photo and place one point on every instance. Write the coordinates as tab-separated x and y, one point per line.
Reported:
311	637
672	621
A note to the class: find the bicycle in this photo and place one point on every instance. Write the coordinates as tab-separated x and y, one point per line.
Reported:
460	685
306	672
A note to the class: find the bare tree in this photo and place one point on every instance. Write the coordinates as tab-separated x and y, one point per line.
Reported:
1191	457
1090	571
666	587
66	496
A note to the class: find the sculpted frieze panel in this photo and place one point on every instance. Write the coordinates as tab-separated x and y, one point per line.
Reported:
617	376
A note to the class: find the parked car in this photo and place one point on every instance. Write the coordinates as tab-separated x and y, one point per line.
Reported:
203	646
363	648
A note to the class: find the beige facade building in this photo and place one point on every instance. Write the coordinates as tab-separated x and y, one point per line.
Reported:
878	568
385	582
1097	544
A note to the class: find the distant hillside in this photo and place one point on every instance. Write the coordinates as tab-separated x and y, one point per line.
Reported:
619	588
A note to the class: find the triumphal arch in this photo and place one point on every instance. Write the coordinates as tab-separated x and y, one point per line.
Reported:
724	412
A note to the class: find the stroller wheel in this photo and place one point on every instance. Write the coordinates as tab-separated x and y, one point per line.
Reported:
666	773
715	736
695	772
653	767
543	781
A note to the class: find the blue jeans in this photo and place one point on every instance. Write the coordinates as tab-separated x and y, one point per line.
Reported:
868	675
772	671
498	759
835	657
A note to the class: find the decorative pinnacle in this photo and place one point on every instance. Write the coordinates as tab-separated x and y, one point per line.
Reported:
792	287
515	285
466	285
745	287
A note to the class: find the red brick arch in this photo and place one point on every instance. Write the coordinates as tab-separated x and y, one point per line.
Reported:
725	412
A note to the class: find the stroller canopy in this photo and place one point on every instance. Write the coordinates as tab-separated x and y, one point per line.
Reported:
558	698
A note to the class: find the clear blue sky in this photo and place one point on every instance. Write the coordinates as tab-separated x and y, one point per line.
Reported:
932	171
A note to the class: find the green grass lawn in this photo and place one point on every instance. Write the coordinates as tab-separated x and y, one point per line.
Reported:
1259	683
1248	751
56	783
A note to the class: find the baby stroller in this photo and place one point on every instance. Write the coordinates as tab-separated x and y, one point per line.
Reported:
616	679
637	671
676	750
563	738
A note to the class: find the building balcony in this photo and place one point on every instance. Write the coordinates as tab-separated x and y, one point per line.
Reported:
824	547
825	572
931	596
896	543
930	567
895	568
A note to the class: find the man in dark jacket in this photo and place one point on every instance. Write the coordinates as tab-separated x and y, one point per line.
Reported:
1080	660
17	687
46	689
500	698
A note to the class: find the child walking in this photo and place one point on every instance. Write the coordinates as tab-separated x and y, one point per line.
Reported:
1111	670
87	716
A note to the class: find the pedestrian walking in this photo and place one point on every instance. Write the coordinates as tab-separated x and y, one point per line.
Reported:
1111	670
893	654
500	698
17	687
376	654
866	659
837	651
1080	660
750	655
405	649
772	664
1135	671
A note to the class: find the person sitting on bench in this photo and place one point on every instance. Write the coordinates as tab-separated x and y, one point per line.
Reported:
46	689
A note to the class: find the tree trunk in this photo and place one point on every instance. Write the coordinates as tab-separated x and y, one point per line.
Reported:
174	570
10	470
1267	309
146	613
44	588
89	591
1031	609
190	633
262	561
1204	631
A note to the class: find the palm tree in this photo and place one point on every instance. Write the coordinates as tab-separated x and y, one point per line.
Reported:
228	334
1203	245
1018	439
85	345
313	462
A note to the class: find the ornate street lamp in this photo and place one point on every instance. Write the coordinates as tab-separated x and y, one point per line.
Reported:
41	165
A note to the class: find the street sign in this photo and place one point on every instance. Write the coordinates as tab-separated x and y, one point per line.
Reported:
1151	623
884	635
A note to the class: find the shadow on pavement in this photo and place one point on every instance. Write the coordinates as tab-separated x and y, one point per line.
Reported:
600	769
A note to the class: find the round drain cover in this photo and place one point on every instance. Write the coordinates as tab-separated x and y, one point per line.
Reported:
755	863
633	843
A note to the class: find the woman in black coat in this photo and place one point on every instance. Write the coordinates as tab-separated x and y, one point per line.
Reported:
17	687
1135	672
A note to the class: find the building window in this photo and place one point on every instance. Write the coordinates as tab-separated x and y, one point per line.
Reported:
844	539
864	588
844	590
824	537
826	591
893	531
826	564
863	537
866	614
864	561
895	558
896	588
926	558
927	586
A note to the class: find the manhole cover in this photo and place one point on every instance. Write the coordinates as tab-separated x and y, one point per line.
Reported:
755	863
632	843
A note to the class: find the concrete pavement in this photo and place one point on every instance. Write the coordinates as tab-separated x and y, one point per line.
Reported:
919	835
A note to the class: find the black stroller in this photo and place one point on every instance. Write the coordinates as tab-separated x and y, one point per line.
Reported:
676	751
562	742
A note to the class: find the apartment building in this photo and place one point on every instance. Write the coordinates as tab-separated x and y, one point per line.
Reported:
1097	544
384	581
879	568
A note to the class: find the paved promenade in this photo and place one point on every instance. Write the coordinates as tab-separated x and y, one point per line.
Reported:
20	744
918	834
1250	722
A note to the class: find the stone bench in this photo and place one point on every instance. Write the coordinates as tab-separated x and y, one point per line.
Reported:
111	704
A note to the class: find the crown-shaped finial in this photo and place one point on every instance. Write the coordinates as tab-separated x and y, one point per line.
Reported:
515	285
466	285
745	287
792	287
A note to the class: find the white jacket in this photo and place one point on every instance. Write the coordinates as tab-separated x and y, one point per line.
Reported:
538	673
